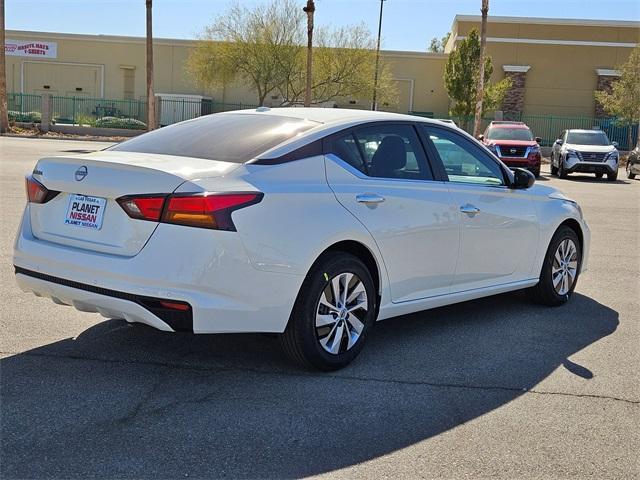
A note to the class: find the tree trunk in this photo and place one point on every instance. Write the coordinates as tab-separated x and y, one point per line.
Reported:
374	101
151	100
480	91
309	10
4	118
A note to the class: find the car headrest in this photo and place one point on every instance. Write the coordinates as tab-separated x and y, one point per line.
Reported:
391	155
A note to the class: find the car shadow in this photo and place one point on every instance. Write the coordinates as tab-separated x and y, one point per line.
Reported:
589	178
132	402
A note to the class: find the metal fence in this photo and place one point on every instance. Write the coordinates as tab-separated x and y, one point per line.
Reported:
101	112
549	127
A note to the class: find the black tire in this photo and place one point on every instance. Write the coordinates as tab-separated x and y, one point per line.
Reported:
554	170
630	174
300	340
536	173
599	175
562	173
612	177
544	292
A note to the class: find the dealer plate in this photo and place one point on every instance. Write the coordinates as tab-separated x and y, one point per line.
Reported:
85	211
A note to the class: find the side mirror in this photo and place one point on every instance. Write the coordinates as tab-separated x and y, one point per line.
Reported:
538	139
522	178
559	141
615	144
480	137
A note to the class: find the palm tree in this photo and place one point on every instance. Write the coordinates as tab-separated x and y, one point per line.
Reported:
480	91
4	118
309	10
151	104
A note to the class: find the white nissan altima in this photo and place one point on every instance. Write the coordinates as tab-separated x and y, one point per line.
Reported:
312	223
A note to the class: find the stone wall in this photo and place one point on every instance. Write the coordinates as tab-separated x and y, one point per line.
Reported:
513	102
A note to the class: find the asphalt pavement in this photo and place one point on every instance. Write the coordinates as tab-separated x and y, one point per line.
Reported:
496	387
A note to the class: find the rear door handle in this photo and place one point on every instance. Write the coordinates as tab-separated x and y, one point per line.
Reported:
469	209
369	198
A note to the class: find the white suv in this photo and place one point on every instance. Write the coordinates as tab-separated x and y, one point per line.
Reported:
586	151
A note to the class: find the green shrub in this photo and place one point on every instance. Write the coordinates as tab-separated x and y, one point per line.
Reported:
26	117
85	120
114	122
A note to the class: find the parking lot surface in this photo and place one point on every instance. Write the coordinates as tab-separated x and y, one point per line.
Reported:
491	388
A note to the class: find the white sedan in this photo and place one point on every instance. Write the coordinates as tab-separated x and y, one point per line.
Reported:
312	223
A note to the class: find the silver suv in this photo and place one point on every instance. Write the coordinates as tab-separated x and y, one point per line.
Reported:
586	151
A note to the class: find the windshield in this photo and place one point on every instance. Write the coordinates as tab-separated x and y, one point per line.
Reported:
522	134
588	138
226	137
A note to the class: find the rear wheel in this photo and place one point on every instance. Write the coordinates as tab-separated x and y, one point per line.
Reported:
560	269
630	174
334	311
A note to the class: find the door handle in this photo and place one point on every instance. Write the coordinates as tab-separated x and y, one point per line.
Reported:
369	198
469	209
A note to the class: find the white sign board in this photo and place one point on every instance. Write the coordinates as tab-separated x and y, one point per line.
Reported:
30	48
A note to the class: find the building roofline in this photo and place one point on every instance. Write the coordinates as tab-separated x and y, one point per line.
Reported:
174	41
548	21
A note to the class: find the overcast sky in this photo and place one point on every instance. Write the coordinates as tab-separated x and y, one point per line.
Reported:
407	24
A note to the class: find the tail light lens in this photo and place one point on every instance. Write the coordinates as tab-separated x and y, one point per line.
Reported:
143	207
203	210
207	210
36	192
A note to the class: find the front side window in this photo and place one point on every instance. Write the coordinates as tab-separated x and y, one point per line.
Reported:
393	151
229	137
463	161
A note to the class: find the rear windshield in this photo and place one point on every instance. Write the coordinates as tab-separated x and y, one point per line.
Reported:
227	137
588	138
523	134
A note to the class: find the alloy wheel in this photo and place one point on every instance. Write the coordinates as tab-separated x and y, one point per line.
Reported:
565	267
341	313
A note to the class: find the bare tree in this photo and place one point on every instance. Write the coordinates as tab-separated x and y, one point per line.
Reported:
309	10
483	47
151	100
4	118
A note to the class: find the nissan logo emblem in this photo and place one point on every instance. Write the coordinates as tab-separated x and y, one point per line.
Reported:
81	173
513	150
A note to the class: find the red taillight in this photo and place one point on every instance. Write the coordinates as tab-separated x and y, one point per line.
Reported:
183	307
207	210
144	207
204	210
36	192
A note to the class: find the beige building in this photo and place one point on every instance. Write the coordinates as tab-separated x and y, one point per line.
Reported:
556	65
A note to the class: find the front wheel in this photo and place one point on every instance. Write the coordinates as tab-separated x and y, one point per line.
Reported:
334	311
612	177
599	175
560	269
562	173
630	174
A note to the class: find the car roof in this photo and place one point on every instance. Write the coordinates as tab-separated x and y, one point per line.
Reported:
520	125
585	130
330	115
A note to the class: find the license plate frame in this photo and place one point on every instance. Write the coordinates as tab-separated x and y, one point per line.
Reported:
85	211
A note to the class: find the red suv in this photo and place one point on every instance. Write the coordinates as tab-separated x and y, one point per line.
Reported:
514	144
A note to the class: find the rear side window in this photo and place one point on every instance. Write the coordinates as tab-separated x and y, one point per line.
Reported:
346	148
227	137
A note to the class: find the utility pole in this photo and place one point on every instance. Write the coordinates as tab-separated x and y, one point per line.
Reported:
374	105
480	90
151	100
309	10
4	114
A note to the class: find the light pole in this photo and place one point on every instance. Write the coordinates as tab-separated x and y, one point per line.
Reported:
374	105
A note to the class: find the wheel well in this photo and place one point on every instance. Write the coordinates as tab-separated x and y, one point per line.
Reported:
357	249
575	226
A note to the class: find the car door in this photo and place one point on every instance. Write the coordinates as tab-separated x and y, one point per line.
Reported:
380	173
499	228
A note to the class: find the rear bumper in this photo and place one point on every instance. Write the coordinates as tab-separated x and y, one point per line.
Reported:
209	270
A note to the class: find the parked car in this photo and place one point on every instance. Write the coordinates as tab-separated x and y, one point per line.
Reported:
312	223
514	144
586	151
633	163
